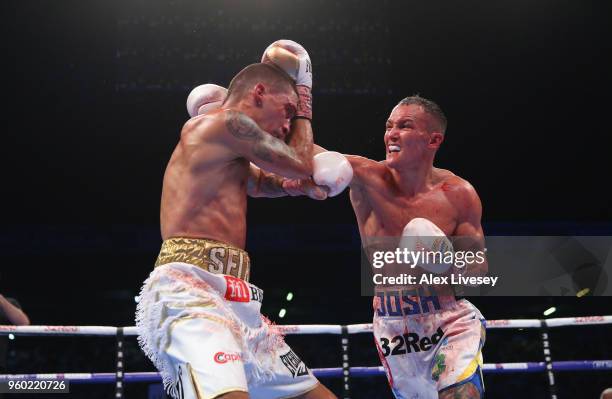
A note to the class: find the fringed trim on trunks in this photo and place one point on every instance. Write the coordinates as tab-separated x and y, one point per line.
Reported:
259	345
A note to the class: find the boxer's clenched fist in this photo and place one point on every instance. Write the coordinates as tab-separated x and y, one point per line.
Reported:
333	170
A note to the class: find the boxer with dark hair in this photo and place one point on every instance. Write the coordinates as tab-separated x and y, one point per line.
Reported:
199	318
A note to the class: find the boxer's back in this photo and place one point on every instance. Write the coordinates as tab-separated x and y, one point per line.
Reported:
204	188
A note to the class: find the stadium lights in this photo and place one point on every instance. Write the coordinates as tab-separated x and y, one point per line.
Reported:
583	292
550	311
11	336
282	313
289	296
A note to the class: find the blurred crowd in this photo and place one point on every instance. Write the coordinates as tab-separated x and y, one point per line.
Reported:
182	46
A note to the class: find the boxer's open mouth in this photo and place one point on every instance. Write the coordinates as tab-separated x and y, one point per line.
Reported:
394	148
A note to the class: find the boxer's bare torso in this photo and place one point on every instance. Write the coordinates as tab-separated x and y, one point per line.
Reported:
386	195
204	189
383	209
206	181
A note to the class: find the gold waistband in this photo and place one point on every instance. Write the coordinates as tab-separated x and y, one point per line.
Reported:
212	256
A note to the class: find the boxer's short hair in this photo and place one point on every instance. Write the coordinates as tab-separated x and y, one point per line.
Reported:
431	108
271	76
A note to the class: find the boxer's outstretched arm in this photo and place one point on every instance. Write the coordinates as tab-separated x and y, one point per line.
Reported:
361	166
248	140
269	185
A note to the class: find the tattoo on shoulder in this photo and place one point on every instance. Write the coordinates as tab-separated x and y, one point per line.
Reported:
265	146
241	126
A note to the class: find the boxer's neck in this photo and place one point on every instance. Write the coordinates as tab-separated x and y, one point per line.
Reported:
414	179
242	105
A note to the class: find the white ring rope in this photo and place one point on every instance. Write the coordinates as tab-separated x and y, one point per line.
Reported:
304	329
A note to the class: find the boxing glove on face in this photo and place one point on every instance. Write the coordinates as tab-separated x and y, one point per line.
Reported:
292	58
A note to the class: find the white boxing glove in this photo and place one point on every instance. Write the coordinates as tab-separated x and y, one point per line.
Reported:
205	98
421	234
292	58
333	170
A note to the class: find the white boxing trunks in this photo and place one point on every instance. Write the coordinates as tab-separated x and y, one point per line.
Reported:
427	344
204	331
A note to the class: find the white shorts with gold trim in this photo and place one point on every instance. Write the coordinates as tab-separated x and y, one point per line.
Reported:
205	334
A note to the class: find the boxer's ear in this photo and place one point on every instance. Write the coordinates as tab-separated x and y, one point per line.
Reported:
436	139
258	92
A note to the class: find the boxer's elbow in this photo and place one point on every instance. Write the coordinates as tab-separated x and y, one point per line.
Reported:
21	319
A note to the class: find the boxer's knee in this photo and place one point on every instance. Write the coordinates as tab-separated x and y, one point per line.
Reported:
463	391
234	395
320	392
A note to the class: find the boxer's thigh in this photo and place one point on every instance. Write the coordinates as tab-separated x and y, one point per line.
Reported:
289	378
207	358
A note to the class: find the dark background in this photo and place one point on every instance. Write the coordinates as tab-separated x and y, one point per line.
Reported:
95	100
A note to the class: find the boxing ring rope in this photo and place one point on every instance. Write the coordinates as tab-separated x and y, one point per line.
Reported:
304	329
118	377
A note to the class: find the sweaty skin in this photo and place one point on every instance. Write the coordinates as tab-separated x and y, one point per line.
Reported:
387	195
382	209
221	158
205	183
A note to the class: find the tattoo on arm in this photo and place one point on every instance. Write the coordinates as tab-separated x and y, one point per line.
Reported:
262	152
271	185
262	184
265	146
241	126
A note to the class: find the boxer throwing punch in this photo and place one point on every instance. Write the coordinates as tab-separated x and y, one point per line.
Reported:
430	345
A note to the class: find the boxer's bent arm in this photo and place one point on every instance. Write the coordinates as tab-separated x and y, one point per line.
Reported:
300	139
470	236
262	184
268	185
266	151
15	315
